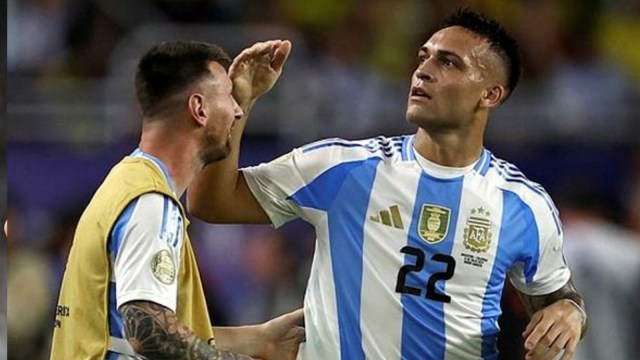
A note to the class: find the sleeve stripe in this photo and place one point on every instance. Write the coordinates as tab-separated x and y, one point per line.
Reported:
165	214
518	177
117	234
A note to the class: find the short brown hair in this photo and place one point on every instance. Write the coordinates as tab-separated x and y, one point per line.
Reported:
169	67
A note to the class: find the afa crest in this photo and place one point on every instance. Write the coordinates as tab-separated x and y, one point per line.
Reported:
477	233
434	223
163	268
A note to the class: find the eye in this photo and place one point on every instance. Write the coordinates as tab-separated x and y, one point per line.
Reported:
448	63
422	58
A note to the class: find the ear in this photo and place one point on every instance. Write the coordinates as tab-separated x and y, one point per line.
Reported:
493	96
197	108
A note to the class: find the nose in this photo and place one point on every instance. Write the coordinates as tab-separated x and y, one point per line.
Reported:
424	73
237	111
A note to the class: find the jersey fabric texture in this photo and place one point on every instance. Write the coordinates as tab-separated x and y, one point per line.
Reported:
410	257
130	244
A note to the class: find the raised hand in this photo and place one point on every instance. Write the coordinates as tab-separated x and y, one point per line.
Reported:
256	69
553	329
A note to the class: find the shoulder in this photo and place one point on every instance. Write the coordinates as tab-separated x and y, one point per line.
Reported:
150	208
507	177
388	149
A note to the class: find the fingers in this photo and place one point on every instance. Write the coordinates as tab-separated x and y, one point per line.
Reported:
561	343
255	51
549	346
538	343
570	349
296	316
275	52
281	55
535	319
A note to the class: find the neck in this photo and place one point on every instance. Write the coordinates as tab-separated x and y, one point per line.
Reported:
175	149
454	148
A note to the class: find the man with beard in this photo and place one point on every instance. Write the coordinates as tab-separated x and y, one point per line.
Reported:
416	234
131	288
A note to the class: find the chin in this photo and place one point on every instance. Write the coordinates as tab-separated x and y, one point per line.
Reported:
415	117
216	154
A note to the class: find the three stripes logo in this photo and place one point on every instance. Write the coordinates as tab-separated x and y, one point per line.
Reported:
390	217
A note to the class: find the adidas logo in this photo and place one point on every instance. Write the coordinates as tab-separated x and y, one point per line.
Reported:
389	217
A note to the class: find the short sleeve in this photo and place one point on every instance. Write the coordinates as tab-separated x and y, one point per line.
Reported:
542	268
273	183
145	247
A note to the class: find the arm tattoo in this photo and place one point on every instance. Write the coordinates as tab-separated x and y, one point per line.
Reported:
534	303
156	333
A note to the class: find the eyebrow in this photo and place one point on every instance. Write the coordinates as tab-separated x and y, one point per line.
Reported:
441	52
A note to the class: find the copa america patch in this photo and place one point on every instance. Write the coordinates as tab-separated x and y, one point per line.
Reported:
163	268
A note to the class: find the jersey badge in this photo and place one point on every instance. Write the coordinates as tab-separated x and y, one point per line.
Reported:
434	223
477	233
163	268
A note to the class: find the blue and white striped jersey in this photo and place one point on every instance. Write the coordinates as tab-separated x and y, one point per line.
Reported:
411	257
147	235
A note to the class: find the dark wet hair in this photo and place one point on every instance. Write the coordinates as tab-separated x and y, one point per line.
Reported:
169	67
499	40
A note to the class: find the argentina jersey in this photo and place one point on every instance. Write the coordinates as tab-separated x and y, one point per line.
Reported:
411	257
144	251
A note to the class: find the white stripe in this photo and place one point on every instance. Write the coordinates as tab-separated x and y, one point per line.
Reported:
320	309
463	315
382	327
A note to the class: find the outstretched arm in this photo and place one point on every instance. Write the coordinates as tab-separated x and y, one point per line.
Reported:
220	193
558	322
156	333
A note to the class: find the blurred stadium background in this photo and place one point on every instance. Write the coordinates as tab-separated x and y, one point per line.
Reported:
573	125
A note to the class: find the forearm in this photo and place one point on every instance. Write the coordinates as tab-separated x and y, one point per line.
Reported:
213	191
244	339
156	333
534	303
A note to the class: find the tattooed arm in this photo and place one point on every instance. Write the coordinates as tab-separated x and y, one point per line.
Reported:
558	321
156	333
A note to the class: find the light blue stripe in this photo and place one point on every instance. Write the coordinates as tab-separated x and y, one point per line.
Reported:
406	147
483	163
523	227
509	245
178	228
529	184
481	160
165	215
324	189
423	327
113	246
343	191
412	149
115	319
117	233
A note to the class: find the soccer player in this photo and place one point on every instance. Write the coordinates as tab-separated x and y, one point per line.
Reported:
416	234
131	288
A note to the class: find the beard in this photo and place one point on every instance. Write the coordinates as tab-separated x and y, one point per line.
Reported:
212	149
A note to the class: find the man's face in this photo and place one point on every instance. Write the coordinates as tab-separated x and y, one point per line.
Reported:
455	67
222	111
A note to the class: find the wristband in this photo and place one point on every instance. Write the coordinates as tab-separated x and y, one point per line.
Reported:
584	313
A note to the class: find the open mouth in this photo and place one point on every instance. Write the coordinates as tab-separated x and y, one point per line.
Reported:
418	92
